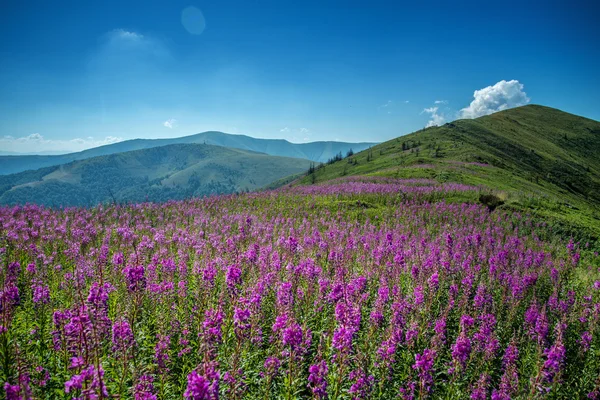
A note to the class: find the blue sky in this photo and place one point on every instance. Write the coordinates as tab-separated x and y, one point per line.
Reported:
76	74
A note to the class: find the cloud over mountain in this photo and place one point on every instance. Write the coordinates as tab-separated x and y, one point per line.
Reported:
501	96
436	119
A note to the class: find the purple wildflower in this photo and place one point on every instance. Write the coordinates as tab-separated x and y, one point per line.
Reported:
144	389
461	349
424	367
317	379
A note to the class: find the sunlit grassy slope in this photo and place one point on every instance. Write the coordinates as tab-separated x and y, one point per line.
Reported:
536	158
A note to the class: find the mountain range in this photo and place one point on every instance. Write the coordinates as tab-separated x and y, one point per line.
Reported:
533	158
174	171
314	151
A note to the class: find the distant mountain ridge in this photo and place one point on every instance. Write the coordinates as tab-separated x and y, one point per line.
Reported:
314	151
170	172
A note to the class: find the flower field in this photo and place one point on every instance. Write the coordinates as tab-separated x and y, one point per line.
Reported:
342	291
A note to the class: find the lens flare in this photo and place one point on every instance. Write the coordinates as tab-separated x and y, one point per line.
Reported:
193	20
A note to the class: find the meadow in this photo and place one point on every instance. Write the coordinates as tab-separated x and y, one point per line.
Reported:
371	289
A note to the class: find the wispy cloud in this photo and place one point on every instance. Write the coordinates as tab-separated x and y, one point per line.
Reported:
391	106
122	49
170	123
435	118
296	134
441	102
501	96
36	143
125	35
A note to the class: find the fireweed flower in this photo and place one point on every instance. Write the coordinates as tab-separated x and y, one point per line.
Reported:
511	355
284	294
461	349
541	327
531	316
78	332
342	339
292	336
440	332
317	379
555	357
480	390
418	295
241	318
424	367
407	392
41	293
201	387
118	258
9	297
362	385
434	281
122	337
235	383
585	341
144	389
386	352
466	321
509	383
13	392
89	381
76	362
134	276
280	323
161	352
233	278
97	308
272	365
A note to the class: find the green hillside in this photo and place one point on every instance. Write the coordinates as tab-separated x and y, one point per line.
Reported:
535	158
157	174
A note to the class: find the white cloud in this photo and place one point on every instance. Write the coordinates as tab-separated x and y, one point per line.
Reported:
436	119
441	102
123	49
170	123
34	137
125	35
501	96
388	104
296	135
36	143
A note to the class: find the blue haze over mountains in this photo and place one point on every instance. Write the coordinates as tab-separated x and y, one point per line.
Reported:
313	151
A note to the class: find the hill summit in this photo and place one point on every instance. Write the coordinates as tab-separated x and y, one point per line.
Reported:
541	158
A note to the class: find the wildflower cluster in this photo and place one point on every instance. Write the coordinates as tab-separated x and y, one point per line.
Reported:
285	295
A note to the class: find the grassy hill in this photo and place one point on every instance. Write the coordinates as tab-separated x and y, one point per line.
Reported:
535	158
156	174
315	151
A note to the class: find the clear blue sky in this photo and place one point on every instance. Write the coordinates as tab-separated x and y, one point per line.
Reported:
73	73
